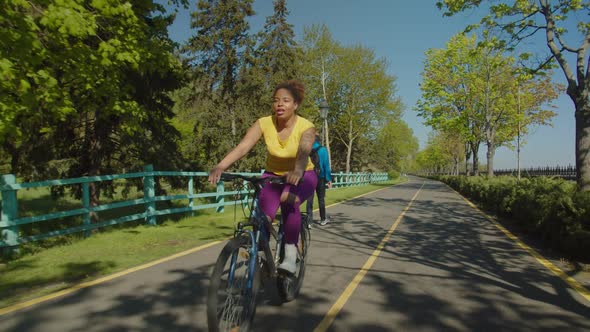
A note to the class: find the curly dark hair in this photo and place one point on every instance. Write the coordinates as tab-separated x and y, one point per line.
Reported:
295	87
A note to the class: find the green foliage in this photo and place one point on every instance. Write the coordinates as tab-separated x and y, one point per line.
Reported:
84	87
217	53
519	21
364	100
278	56
219	39
442	153
472	90
361	96
394	145
393	175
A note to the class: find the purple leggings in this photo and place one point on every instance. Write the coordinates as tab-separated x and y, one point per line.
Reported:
270	200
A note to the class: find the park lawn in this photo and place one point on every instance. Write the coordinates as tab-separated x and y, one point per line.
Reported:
108	252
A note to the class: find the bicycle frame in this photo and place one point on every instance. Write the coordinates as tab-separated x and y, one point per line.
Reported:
258	221
231	299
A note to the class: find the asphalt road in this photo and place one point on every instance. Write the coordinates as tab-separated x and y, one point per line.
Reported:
412	257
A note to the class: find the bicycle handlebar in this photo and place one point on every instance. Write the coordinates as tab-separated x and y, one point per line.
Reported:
256	180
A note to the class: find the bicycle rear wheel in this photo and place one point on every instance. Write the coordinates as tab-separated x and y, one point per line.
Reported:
290	285
231	299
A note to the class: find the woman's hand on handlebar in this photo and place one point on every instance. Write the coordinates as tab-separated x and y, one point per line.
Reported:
215	174
294	177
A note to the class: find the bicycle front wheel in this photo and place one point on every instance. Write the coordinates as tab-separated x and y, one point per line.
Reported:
231	299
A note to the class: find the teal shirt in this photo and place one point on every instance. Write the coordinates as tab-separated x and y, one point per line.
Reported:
325	171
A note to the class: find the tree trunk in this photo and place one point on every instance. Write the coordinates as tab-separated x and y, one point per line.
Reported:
467	157
349	147
327	130
475	152
582	114
328	145
348	156
490	158
92	161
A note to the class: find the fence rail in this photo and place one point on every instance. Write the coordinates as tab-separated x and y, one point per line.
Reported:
10	222
567	172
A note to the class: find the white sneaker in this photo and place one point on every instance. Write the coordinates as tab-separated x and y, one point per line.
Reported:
325	221
289	263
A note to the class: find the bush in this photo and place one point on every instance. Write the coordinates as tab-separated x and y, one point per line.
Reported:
393	174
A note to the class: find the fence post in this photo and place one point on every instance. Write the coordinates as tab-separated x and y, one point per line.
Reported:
191	192
86	205
148	194
220	198
9	215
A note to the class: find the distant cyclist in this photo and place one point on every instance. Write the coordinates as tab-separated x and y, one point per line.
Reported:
289	138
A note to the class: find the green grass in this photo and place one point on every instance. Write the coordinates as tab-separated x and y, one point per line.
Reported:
104	253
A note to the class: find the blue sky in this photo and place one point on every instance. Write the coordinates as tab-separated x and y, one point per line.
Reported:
400	32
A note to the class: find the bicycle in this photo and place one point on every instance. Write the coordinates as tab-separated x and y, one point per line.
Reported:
236	277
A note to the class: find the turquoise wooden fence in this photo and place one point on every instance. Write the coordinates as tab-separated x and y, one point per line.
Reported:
11	238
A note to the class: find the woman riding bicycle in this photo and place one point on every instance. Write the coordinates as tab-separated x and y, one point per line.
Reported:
288	138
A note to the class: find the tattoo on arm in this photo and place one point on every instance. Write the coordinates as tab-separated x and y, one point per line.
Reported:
305	145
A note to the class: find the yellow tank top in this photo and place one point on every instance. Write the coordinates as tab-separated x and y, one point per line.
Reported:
281	155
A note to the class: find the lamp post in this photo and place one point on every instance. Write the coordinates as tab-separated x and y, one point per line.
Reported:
324	115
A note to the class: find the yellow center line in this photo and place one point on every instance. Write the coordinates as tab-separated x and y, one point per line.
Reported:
341	301
573	283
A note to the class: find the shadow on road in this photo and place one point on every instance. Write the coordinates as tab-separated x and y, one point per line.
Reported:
465	274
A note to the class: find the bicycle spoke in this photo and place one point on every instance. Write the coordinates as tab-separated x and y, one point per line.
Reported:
234	299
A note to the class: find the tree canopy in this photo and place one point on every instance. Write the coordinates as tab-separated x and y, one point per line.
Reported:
99	88
564	27
83	87
474	90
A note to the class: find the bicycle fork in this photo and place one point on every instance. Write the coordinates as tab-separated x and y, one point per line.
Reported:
252	261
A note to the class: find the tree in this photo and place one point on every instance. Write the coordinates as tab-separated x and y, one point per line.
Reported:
470	86
365	97
452	145
216	48
84	85
360	94
321	53
434	159
520	20
497	82
278	54
394	145
448	102
537	91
